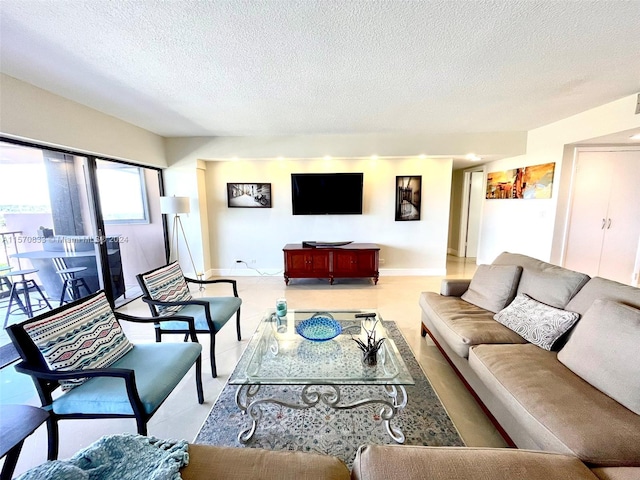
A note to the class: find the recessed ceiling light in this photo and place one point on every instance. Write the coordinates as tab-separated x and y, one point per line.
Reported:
234	159
374	157
635	137
473	157
281	158
422	155
327	157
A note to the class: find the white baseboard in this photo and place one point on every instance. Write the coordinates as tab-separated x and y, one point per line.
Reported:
274	272
246	272
413	272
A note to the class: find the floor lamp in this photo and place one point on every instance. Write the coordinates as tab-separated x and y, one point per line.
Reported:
175	206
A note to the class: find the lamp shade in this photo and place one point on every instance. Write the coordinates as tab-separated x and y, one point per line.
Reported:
174	205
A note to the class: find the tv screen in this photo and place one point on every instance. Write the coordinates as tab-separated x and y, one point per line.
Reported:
326	193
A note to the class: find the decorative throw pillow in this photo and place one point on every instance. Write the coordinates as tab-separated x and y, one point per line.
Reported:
603	350
167	284
536	322
81	337
493	286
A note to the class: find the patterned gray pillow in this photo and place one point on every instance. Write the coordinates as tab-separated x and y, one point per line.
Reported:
536	322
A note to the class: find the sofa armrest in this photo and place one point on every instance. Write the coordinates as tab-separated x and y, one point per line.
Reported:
381	462
228	463
454	287
617	473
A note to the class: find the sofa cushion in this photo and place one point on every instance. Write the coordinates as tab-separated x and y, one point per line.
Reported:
536	322
603	349
559	410
212	462
543	281
599	287
493	286
381	462
83	336
463	324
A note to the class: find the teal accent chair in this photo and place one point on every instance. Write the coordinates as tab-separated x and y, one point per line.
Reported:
133	386
165	290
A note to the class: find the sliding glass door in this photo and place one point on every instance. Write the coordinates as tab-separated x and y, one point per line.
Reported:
72	224
129	201
48	232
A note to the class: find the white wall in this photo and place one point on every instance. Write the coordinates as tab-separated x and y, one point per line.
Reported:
408	248
32	114
488	144
404	243
537	227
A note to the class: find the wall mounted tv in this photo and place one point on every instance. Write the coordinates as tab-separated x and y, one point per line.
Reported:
326	193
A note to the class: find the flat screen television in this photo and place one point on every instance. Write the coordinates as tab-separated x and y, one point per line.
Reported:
326	193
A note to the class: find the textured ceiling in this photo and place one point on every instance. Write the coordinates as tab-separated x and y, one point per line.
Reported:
203	68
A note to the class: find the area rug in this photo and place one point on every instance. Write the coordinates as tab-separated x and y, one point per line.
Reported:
321	429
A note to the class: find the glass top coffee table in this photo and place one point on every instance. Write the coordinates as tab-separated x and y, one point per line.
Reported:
278	355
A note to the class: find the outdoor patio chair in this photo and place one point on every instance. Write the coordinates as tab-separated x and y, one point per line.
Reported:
166	292
80	350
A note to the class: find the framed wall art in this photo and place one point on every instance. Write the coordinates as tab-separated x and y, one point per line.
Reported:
249	195
535	181
408	198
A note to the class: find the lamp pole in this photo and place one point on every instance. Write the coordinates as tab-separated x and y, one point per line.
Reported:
177	205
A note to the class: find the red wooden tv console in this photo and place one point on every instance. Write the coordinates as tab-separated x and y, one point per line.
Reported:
355	260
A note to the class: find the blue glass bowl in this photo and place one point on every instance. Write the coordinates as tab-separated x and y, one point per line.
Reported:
319	328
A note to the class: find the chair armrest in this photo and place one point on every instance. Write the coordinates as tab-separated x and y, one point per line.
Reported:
233	283
128	375
47	374
131	318
454	287
160	303
183	318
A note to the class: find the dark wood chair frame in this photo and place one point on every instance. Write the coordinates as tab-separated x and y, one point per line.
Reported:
47	380
153	304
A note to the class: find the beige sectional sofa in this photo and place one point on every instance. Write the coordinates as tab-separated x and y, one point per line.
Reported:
581	397
384	462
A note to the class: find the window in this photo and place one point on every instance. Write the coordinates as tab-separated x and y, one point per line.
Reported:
123	194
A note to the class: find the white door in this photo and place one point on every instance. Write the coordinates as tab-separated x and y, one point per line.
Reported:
588	217
604	225
622	231
476	194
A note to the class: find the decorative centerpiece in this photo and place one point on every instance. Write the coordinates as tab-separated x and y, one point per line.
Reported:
370	348
319	328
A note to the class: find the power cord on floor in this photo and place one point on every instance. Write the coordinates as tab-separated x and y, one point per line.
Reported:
263	274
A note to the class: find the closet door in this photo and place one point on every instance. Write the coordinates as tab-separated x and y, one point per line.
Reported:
622	231
604	228
587	221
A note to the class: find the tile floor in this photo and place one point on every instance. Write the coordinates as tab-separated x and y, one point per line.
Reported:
396	298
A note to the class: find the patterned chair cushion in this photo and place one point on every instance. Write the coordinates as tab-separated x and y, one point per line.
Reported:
81	337
536	322
167	284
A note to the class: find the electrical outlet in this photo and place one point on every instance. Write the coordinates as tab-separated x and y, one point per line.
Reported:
381	261
253	262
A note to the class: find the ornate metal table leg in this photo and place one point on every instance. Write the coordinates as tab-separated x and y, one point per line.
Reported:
250	407
392	391
310	396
